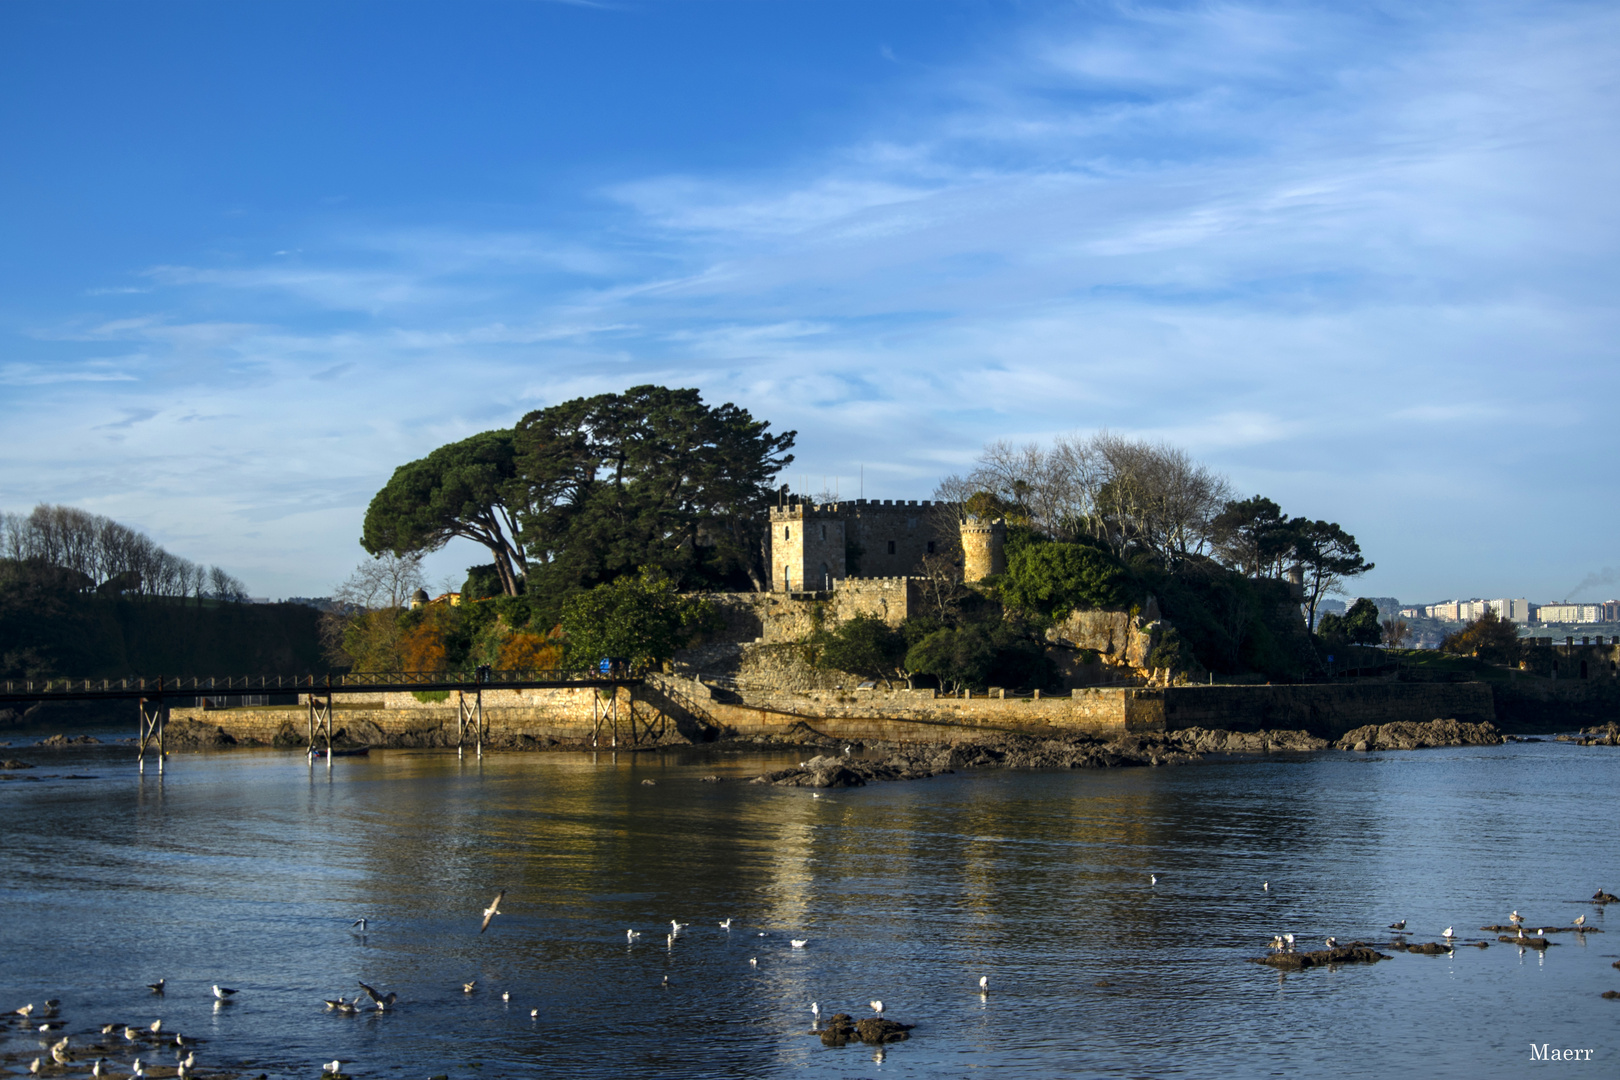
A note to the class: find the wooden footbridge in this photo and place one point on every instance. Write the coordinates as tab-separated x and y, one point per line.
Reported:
153	697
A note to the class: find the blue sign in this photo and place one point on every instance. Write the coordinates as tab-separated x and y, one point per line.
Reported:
606	666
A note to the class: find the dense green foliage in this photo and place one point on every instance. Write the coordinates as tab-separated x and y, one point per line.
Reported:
465	489
864	645
1358	626
980	655
640	620
1490	638
49	628
1053	579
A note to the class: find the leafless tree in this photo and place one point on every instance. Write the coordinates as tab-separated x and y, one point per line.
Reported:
103	551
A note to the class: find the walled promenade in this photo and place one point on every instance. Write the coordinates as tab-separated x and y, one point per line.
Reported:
670	710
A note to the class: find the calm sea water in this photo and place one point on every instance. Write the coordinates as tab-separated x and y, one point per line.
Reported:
246	868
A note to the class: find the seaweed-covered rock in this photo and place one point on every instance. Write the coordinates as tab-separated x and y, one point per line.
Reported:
1343	954
70	740
842	1030
11	764
1607	735
1404	735
1601	897
1526	942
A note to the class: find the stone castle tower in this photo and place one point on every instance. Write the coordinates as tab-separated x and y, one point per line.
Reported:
984	548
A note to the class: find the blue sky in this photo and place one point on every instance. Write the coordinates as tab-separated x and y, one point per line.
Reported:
1361	258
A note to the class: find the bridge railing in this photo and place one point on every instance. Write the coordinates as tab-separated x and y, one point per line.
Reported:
349	681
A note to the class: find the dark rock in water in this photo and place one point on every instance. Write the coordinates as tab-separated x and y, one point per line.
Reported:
1428	948
1526	942
1106	983
1219	741
1601	897
11	764
1344	954
714	780
842	1029
1611	995
69	740
1405	735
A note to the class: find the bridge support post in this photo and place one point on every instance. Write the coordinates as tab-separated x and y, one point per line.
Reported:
470	715
154	719
320	721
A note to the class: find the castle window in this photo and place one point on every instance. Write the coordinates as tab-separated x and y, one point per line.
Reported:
930	547
824	532
787	532
891	547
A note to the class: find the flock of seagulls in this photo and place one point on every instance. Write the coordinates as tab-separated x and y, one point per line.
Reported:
150	1039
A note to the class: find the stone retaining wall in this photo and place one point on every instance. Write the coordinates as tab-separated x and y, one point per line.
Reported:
1326	710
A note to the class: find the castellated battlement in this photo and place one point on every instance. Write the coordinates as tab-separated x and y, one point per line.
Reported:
799	507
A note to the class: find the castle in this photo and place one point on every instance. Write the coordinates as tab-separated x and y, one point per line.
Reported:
815	546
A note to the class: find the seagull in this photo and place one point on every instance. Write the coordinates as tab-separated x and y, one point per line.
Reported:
665	983
1398	925
799	943
753	961
493	910
95	1070
1332	942
677	927
60	1055
467	988
1153	879
1580	920
815	1011
26	1010
157	987
223	992
333	1068
1265	886
347	1008
506	995
1448	934
533	1013
136	1070
50	1006
131	1034
107	1029
156	1026
725	924
1516	919
361	923
33	1067
631	935
189	1060
1277	942
1290	939
877	1007
330	1004
1541	931
382	1000
815	794
984	984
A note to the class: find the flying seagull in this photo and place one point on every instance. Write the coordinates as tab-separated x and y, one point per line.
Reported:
677	927
382	1000
223	992
493	910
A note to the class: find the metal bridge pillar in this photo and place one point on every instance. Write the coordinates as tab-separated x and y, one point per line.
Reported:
320	720
470	715
154	719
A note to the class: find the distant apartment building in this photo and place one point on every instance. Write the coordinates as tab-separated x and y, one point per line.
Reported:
1579	613
1518	611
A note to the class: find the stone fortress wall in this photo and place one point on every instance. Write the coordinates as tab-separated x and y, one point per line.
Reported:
811	544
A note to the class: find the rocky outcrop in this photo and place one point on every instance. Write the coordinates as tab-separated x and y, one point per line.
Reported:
12	764
1410	736
1607	735
70	740
1219	741
1355	953
842	1030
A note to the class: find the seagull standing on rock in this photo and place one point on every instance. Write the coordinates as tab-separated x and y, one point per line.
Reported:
877	1007
1447	934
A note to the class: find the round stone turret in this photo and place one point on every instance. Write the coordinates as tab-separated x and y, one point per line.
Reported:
984	548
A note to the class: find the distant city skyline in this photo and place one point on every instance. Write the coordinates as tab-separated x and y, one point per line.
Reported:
258	255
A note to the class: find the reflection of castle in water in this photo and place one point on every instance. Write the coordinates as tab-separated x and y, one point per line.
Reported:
815	546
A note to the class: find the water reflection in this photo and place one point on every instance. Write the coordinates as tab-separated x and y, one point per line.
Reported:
224	871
